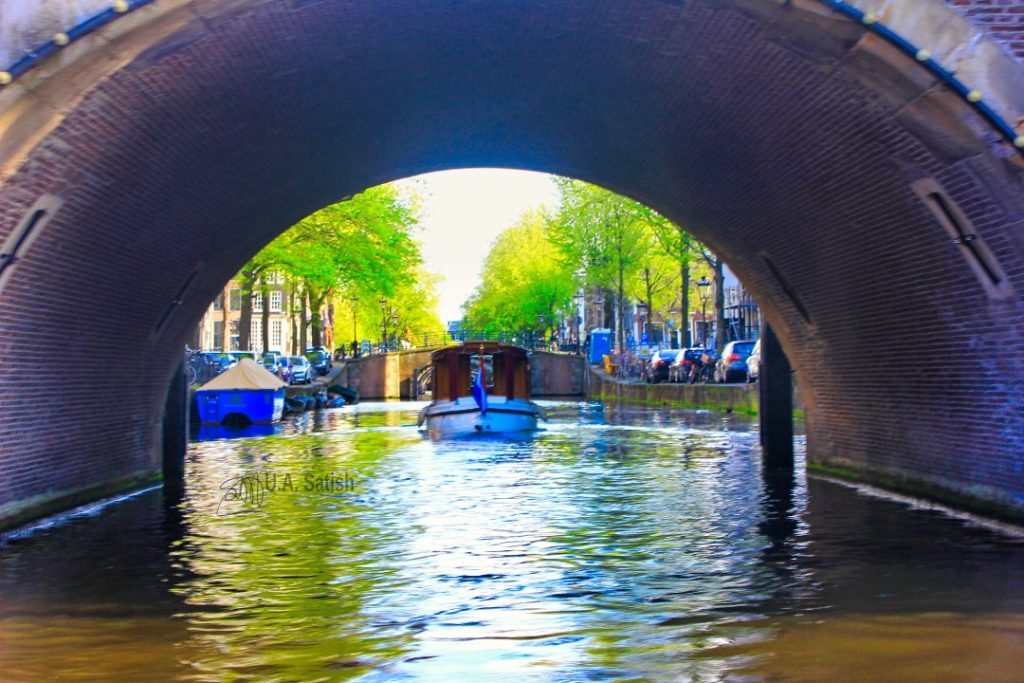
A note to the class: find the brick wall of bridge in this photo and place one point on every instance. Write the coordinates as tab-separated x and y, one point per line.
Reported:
1002	19
780	133
390	376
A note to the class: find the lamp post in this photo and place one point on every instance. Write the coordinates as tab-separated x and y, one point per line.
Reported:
702	289
577	299
641	310
384	323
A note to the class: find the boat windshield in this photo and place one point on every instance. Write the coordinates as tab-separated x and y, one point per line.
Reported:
474	368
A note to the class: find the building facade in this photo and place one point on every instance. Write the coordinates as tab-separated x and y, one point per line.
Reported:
219	326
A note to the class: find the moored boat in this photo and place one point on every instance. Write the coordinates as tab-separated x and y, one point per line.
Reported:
480	387
245	394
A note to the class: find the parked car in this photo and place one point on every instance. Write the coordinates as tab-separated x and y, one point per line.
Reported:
272	361
284	366
220	361
658	365
202	366
732	364
754	363
302	371
320	360
679	370
239	355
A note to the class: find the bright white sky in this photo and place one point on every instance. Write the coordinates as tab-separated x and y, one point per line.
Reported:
462	212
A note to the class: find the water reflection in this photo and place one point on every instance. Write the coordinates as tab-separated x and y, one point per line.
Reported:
618	543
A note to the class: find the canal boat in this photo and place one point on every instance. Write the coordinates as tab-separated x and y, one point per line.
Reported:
480	387
245	394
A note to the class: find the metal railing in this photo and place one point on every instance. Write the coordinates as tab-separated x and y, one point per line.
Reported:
434	340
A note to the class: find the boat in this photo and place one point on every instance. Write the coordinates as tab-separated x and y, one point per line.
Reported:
351	396
468	401
245	394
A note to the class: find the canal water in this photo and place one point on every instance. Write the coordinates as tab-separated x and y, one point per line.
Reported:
618	544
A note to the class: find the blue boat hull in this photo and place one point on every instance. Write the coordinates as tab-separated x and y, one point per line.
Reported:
258	406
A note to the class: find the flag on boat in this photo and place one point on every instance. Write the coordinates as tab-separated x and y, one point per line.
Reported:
479	392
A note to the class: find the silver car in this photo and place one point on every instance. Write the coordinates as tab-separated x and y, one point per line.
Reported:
754	363
302	371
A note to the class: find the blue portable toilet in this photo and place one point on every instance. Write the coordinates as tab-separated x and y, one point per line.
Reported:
600	344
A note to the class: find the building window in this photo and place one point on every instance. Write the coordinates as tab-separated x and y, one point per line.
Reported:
235	339
276	301
218	303
257	302
218	334
256	334
236	299
276	333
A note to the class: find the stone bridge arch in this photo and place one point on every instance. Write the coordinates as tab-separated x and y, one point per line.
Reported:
876	212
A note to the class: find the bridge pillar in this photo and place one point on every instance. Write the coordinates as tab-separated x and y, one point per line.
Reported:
175	431
775	403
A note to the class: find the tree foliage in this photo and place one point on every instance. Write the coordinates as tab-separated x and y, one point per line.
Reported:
363	247
596	239
522	279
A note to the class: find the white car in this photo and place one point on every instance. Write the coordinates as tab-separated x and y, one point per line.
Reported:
754	363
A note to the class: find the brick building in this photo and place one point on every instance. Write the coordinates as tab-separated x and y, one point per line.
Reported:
284	320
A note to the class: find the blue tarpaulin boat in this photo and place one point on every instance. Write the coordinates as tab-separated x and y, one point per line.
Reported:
245	394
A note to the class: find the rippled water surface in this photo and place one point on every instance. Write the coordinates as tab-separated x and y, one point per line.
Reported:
623	544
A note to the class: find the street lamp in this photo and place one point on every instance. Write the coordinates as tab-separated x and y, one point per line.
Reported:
355	335
702	288
578	300
384	323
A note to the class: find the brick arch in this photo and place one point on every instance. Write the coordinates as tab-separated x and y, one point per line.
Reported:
185	139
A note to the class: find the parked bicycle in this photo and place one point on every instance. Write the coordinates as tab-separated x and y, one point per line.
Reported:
703	369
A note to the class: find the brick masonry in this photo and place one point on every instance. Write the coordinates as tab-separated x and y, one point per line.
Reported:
1002	19
375	377
784	137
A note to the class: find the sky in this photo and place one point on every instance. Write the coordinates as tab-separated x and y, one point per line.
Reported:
462	212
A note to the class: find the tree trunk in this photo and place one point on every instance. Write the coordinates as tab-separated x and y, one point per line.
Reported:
315	321
621	323
245	317
330	343
684	303
649	318
303	322
294	337
720	331
265	332
225	340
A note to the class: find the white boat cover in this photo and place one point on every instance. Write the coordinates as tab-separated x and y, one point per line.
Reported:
247	374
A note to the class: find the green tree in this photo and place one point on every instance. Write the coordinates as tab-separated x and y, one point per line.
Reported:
606	236
523	278
413	302
717	268
363	244
682	247
654	284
